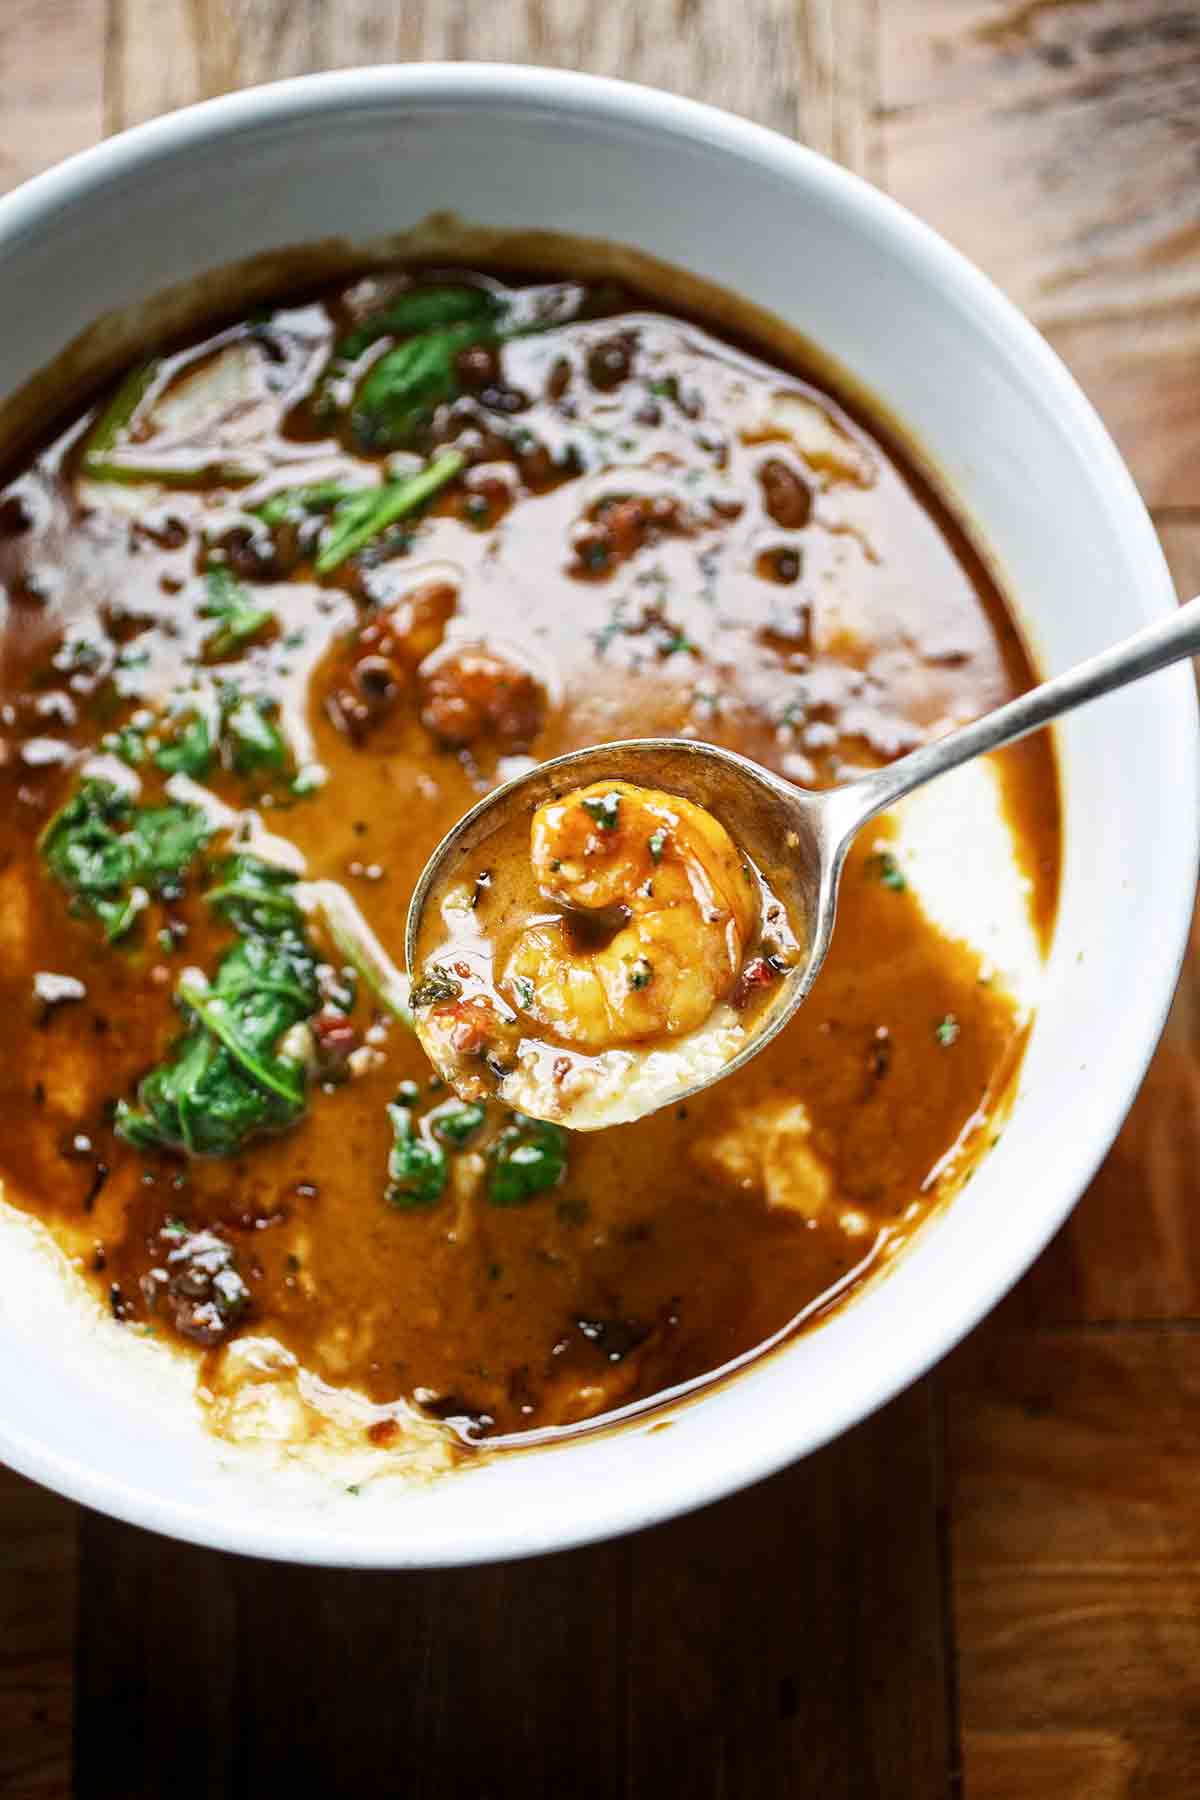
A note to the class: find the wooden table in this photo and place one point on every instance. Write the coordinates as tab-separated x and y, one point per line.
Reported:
993	1587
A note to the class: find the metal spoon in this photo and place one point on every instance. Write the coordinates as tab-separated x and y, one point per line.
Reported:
798	839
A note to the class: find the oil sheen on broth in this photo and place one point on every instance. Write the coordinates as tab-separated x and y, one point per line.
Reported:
279	609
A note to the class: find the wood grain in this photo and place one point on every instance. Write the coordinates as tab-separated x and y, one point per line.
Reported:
1057	143
50	102
789	1640
37	1594
1075	1495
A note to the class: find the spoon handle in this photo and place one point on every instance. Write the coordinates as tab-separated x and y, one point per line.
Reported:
1166	642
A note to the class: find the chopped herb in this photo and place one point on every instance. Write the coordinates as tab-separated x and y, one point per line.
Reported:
255	742
656	844
528	1158
407	1094
416	1167
523	989
190	751
884	868
316	497
947	1031
241	617
435	986
357	521
128	743
604	809
643	973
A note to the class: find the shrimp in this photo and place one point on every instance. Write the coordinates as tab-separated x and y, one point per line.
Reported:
663	879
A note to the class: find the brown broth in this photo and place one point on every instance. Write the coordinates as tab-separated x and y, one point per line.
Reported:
820	616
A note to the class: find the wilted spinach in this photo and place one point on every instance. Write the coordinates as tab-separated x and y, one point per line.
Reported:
418	309
416	1166
234	1072
112	855
528	1158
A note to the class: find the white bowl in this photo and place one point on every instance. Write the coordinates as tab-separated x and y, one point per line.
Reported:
360	154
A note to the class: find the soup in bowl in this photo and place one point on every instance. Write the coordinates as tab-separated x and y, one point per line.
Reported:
307	542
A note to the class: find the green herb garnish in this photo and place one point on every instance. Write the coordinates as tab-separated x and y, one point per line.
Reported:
642	975
529	1157
882	865
656	844
357	521
523	989
190	751
239	1068
604	809
435	986
457	1121
416	1167
128	743
316	497
421	309
242	618
947	1031
403	389
114	421
255	743
112	854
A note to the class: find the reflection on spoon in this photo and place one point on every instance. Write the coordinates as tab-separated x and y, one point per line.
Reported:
625	925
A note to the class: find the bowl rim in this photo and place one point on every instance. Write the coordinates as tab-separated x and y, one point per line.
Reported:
32	208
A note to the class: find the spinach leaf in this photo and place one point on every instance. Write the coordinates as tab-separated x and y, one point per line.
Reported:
107	851
528	1158
416	310
416	1166
400	392
245	736
238	1069
357	521
241	617
457	1121
256	897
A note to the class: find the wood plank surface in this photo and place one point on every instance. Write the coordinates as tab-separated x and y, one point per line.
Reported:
1055	142
1076	1500
782	1642
37	1629
792	1640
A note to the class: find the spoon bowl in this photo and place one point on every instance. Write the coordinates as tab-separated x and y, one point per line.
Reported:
797	839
